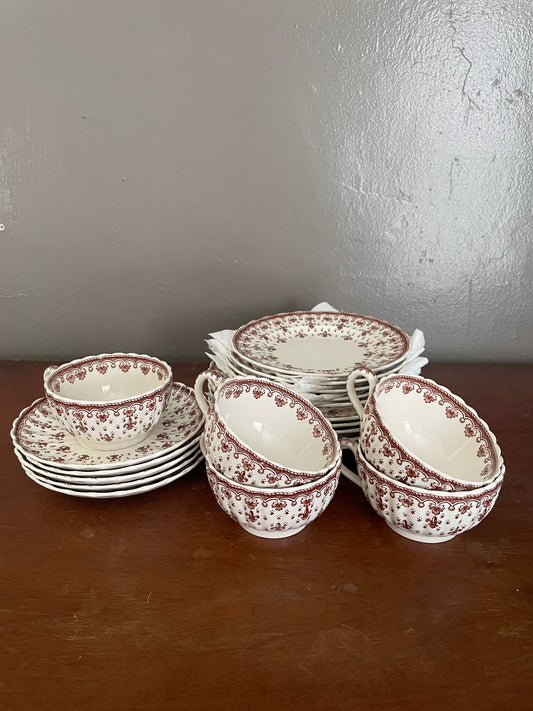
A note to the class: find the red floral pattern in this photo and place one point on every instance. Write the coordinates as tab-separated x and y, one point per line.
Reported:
240	463
387	455
115	423
285	511
244	465
379	342
37	432
423	513
79	369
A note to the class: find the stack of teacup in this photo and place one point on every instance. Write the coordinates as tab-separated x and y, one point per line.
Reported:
273	460
427	463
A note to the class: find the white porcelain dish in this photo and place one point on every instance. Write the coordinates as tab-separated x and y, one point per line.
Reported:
109	401
255	424
273	513
38	434
320	343
110	476
139	488
418	431
139	466
425	515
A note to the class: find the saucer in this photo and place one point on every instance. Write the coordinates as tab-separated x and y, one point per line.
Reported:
109	476
37	433
118	491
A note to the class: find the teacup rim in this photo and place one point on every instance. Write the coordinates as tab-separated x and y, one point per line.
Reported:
291	393
332	473
418	492
372	403
115	402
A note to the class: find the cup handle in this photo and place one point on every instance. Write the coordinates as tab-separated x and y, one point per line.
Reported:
370	376
347	443
215	377
48	372
202	445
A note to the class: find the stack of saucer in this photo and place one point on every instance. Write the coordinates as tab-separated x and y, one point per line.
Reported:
313	352
118	461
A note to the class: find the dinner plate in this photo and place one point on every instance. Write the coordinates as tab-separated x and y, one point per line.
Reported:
320	343
37	433
319	381
135	488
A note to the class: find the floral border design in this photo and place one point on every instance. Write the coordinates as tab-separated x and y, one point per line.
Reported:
37	432
305	411
78	370
474	427
244	465
426	512
382	343
275	509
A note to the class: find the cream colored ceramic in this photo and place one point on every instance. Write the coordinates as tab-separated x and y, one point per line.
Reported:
273	513
419	432
319	342
119	490
43	439
421	514
259	431
109	401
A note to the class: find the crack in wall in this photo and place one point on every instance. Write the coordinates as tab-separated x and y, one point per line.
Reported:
471	102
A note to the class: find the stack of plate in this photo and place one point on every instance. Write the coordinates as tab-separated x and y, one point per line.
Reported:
56	460
313	352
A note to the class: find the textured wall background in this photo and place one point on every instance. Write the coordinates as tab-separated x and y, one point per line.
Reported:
171	168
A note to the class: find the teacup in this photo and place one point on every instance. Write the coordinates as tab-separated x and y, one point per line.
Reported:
109	401
272	513
425	515
263	434
418	432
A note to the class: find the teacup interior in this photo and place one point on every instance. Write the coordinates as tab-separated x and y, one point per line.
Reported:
435	435
94	383
275	432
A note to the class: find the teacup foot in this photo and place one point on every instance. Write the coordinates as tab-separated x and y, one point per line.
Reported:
272	534
420	538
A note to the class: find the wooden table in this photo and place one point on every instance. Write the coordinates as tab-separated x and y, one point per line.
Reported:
160	601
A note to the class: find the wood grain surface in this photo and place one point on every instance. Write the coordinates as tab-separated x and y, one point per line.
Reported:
160	601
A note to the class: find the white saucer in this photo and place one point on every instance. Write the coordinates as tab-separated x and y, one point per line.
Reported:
138	466
118	490
38	434
108	476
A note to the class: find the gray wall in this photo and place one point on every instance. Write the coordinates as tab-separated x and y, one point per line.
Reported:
173	167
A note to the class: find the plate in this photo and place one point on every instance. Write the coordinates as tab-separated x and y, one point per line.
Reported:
171	455
116	492
108	476
320	342
37	433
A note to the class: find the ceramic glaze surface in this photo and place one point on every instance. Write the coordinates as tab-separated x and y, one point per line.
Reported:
417	417
266	425
273	513
423	515
107	377
176	168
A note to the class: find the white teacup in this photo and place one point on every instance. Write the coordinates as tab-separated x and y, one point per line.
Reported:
418	432
424	515
272	513
260	433
109	401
